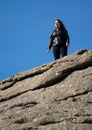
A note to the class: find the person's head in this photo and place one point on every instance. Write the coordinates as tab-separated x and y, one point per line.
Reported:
59	24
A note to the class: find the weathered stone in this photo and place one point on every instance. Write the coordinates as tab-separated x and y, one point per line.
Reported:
55	96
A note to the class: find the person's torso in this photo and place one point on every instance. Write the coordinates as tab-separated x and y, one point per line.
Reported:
59	37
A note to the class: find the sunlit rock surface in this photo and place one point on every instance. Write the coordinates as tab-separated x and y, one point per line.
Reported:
55	96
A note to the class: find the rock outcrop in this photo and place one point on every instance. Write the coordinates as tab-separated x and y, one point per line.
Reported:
55	96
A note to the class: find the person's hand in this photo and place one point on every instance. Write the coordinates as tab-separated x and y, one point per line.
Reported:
67	44
48	49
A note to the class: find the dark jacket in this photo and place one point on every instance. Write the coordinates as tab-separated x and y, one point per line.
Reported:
58	37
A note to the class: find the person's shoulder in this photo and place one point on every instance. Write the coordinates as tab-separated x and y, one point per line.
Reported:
65	30
54	30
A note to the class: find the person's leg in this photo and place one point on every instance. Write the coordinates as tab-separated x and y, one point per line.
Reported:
56	52
63	51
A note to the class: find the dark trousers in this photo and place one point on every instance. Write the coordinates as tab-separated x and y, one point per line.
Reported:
57	51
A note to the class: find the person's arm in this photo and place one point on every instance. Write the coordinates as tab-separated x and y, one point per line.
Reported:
68	39
50	43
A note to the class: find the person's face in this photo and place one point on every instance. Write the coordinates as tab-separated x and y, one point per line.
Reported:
57	24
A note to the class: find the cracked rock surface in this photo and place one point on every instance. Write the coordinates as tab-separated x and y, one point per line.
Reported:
54	96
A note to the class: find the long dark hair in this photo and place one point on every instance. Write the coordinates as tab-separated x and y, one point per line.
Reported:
62	25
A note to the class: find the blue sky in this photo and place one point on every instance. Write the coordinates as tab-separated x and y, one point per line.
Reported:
26	25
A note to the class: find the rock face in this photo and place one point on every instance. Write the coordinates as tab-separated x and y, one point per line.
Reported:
55	96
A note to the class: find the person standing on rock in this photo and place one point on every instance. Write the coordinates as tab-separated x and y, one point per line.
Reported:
59	40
